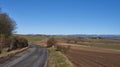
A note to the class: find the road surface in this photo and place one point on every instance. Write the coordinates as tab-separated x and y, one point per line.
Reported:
35	56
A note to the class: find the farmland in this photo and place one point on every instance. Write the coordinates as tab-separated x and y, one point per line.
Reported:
85	56
87	52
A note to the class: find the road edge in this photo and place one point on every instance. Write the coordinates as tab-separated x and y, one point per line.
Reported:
46	63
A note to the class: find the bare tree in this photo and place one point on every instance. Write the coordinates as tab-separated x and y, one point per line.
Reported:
7	26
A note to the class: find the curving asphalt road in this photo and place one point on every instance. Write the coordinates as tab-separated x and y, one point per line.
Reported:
35	56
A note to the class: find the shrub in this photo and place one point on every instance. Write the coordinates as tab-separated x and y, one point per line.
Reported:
59	48
51	42
22	42
63	49
17	42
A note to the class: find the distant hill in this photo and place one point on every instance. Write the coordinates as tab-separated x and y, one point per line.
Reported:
103	36
76	35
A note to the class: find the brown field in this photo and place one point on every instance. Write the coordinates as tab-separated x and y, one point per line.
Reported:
92	52
101	43
86	56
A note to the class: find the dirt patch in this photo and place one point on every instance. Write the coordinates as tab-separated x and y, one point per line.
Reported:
84	56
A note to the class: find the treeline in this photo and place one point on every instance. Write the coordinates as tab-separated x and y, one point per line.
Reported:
7	40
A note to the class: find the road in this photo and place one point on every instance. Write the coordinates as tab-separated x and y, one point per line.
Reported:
35	56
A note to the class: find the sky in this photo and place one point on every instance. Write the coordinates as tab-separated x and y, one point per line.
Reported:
64	16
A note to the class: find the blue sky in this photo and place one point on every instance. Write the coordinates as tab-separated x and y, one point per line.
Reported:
64	16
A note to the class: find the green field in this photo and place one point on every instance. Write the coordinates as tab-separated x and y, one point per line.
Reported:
33	38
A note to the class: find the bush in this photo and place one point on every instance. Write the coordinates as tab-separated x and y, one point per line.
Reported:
51	42
63	49
22	42
59	48
17	42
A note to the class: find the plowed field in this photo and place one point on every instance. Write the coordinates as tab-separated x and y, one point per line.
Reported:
84	56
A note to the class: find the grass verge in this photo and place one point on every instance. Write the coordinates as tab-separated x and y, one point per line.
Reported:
12	53
57	59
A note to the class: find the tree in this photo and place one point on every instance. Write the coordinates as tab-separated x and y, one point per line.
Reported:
7	26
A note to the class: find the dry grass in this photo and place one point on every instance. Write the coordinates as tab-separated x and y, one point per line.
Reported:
11	53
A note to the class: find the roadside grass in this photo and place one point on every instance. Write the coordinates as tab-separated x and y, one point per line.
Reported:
56	59
11	53
4	50
117	47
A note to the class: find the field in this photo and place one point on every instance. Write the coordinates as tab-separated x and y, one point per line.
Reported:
88	52
32	38
94	57
87	56
94	42
84	52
